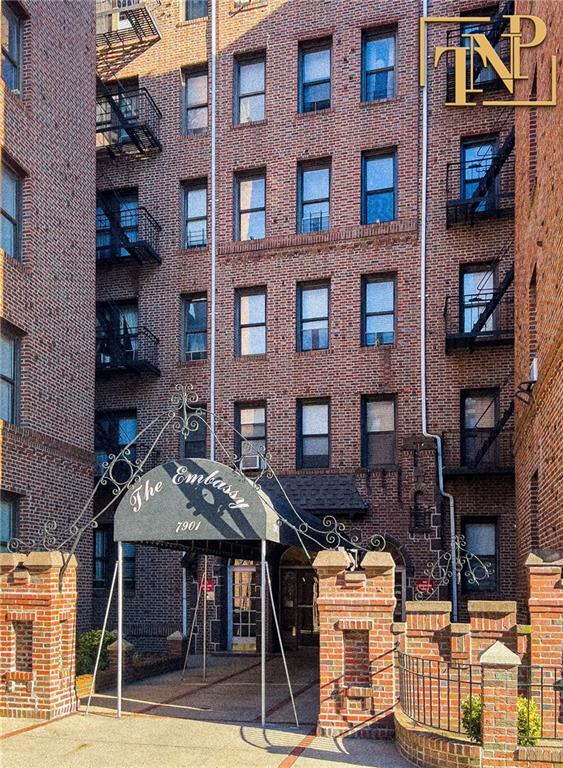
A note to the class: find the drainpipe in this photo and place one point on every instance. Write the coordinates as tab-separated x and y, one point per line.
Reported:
423	387
213	248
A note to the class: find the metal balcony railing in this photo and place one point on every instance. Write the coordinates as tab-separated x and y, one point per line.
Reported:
482	188
315	222
135	235
127	123
120	22
462	449
131	351
466	325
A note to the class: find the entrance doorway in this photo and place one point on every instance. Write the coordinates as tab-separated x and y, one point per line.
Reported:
243	605
298	600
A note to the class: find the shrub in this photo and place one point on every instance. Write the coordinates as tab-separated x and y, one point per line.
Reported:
87	650
529	720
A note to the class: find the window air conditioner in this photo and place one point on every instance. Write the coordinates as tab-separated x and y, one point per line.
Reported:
533	375
252	461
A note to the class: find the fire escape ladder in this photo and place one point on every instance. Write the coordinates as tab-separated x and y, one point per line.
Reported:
493	171
497	27
492	303
494	433
122	120
142	23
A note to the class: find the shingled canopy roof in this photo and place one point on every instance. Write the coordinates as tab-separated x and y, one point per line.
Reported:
321	494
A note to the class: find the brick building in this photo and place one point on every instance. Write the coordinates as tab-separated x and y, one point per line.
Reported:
293	304
47	278
539	309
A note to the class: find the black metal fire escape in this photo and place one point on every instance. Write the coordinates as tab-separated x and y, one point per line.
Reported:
493	435
498	25
143	247
124	30
489	179
127	121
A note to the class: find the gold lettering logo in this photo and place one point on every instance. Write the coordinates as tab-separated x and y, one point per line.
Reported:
489	52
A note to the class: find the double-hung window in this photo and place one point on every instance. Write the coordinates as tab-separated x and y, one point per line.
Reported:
312	316
250	206
476	159
113	431
196	100
477	289
313	196
11	212
379	187
250	97
195	9
9	377
8	518
251	440
378	66
379	435
378	309
11	48
251	321
117	219
195	327
105	555
195	212
481	540
314	75
194	446
117	334
479	415
313	446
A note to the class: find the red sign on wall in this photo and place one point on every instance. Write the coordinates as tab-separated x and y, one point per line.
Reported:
210	589
424	586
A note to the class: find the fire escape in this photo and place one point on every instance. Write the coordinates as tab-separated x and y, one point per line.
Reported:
125	231
124	30
122	345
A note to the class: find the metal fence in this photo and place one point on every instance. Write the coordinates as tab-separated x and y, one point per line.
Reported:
542	689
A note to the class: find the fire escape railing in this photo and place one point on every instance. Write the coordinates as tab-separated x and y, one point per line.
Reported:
124	30
134	234
127	123
484	318
134	350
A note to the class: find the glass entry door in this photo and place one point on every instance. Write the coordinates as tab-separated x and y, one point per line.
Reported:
244	604
299	614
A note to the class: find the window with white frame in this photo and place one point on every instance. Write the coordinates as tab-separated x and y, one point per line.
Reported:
250	96
196	100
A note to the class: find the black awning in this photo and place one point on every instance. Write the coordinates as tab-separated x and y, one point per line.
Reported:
319	495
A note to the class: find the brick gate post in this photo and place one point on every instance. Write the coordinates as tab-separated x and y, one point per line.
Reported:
499	731
357	684
37	635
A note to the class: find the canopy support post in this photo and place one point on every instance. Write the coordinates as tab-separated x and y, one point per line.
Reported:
281	645
100	646
119	625
263	626
184	600
204	618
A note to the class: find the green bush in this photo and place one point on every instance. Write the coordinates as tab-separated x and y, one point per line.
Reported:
87	650
529	720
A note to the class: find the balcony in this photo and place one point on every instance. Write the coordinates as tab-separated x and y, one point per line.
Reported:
124	30
127	123
481	319
478	452
132	351
481	188
315	222
131	234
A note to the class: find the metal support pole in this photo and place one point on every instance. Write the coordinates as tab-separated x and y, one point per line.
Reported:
194	618
281	645
263	620
184	602
119	625
100	646
205	618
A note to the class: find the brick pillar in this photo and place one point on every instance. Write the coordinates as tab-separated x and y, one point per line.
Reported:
492	620
128	671
499	732
37	635
357	683
428	628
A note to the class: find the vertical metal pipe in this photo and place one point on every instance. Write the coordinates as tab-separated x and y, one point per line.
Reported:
204	617
100	646
184	602
213	248
263	622
119	625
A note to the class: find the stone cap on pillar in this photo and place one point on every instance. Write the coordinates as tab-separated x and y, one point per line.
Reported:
428	606
44	560
332	560
498	655
378	562
501	607
547	558
126	646
177	635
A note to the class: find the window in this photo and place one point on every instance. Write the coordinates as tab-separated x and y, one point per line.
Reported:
477	289
378	306
476	159
251	321
195	327
313	197
195	211
194	446
379	443
11	49
479	415
11	212
195	9
117	216
481	540
250	207
378	188
482	75
312	317
9	377
314	75
313	449
251	423
8	519
378	66
113	431
195	84
105	555
250	98
117	333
